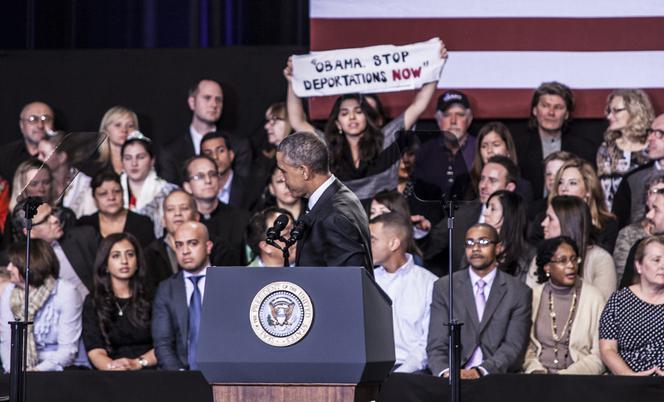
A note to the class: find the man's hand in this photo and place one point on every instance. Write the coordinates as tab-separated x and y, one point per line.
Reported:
471	374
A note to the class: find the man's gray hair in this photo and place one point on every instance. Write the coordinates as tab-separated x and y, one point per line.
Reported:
305	148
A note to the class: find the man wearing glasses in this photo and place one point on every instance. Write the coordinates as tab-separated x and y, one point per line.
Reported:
628	204
494	307
225	223
35	120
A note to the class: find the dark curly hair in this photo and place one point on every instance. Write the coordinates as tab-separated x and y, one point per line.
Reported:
547	249
139	308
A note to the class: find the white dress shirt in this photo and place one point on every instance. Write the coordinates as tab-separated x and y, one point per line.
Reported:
196	138
225	192
315	196
189	285
410	289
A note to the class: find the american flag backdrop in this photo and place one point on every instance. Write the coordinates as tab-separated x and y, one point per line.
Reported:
500	50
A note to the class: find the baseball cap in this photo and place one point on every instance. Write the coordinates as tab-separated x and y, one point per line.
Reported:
450	98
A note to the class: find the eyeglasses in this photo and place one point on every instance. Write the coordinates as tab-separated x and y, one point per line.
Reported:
34	119
273	119
659	134
55	212
212	174
613	110
566	260
470	243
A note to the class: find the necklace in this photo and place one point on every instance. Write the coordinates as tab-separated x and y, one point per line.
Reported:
120	308
567	329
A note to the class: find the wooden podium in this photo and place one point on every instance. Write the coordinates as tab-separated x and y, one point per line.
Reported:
346	353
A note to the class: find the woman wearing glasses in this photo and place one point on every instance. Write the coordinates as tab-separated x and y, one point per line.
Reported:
112	216
629	113
564	338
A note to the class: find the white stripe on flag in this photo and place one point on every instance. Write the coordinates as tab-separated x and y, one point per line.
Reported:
582	70
484	8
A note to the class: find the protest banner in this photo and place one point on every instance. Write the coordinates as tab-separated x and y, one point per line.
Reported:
384	68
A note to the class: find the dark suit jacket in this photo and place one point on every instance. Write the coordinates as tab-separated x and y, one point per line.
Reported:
243	193
80	246
176	152
170	321
336	232
436	247
502	334
227	226
531	162
140	226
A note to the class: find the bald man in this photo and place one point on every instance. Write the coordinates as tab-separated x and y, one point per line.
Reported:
177	305
35	120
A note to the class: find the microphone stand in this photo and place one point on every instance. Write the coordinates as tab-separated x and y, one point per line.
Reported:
454	334
295	235
19	350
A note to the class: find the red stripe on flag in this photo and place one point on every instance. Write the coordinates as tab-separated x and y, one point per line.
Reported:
489	34
493	103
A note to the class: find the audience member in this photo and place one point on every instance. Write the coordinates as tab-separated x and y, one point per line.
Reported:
444	161
499	173
73	185
277	194
277	127
54	307
262	253
408	285
551	107
35	120
630	328
74	247
629	113
506	212
569	215
495	333
112	216
336	228
552	164
628	203
226	224
177	306
629	236
143	190
118	122
206	102
564	338
494	138
235	190
116	316
362	155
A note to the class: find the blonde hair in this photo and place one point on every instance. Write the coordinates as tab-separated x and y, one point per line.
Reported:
641	114
110	116
20	180
596	201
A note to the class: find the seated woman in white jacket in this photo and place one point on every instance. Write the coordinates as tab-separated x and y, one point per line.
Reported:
564	338
55	308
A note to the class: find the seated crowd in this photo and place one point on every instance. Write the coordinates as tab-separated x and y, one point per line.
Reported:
557	247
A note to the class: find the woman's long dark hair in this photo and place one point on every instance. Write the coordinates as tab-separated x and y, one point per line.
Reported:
513	230
371	142
138	310
575	221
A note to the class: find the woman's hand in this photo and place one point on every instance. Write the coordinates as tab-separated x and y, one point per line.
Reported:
124	364
288	71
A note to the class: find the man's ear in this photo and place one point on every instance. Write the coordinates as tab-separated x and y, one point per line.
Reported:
232	154
395	244
187	187
306	172
511	186
499	247
191	102
439	118
266	248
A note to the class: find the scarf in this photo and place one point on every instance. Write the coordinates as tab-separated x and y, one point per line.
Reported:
37	299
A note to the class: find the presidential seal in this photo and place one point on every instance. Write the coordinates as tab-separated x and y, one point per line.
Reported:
281	314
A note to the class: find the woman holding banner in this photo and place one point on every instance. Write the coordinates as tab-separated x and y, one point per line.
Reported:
362	155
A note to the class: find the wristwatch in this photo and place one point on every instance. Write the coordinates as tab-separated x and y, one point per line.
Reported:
143	362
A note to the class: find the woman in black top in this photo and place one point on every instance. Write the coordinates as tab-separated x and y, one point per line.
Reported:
116	316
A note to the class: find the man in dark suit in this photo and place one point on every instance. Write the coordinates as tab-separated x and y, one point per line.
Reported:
75	248
206	101
494	307
336	228
236	190
177	304
551	108
499	173
35	120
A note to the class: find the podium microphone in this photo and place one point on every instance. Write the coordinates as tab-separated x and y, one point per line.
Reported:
297	231
279	224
